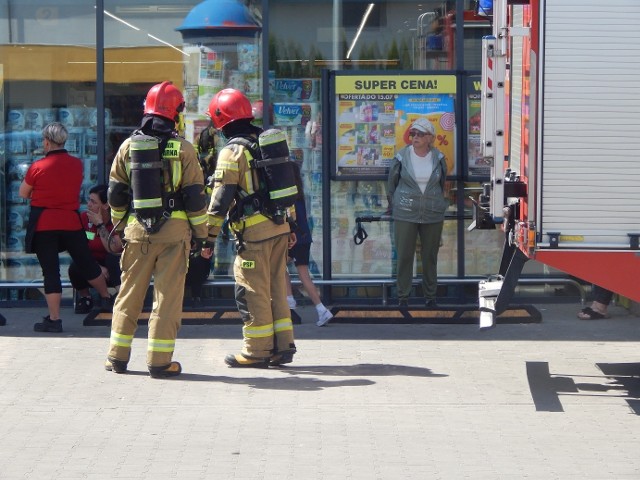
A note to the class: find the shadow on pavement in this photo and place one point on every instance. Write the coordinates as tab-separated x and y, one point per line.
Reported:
619	380
298	377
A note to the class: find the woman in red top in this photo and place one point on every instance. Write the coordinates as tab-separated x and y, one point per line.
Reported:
53	185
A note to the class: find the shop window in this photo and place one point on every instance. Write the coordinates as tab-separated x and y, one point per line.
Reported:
142	48
47	73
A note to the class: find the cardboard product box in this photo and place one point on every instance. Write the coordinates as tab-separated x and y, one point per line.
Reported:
75	140
19	144
292	114
295	89
37	118
16	120
73	116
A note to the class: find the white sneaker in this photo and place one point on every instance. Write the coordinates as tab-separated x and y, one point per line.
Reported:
292	302
324	318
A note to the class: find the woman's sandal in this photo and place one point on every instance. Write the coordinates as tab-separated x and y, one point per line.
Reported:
589	313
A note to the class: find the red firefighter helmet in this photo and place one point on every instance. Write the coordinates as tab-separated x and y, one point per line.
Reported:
229	105
165	100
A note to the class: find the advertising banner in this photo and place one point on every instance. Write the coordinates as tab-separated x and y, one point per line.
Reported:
373	115
478	165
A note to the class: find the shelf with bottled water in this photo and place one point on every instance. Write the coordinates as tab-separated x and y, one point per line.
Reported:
23	146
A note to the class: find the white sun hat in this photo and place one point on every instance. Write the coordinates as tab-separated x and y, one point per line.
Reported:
423	125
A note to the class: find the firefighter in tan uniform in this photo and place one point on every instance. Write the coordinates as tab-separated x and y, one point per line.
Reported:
262	244
156	193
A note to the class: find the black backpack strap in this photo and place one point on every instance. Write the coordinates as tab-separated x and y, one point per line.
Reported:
248	143
253	201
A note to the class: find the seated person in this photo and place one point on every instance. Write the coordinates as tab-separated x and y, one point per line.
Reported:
96	221
598	309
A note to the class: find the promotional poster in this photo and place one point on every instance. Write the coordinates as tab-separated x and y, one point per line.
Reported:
373	116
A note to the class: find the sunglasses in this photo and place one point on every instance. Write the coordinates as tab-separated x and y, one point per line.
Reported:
415	133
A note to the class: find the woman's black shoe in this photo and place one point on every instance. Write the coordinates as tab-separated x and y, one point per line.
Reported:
48	325
83	305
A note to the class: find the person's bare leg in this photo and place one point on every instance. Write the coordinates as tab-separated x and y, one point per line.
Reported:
289	287
53	305
100	284
307	283
324	315
599	307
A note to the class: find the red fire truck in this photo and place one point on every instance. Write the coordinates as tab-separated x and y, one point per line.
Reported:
561	129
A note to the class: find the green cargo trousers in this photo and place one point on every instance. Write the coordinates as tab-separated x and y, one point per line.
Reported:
406	235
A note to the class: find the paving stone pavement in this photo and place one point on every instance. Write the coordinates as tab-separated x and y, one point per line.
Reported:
554	400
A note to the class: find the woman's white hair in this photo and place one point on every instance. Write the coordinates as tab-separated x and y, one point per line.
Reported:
56	133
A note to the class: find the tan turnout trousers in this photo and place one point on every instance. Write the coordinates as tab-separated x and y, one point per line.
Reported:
261	296
167	262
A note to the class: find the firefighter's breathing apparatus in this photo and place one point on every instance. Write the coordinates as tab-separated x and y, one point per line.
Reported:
276	190
146	180
151	205
361	235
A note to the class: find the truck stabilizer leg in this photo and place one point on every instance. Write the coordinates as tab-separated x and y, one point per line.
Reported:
495	293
